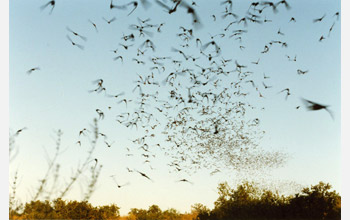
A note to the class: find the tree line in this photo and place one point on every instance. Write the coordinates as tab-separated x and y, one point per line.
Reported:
249	202
246	201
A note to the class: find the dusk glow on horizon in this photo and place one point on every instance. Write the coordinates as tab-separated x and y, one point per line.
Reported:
160	101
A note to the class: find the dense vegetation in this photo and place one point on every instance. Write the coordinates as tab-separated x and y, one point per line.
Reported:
245	202
248	202
59	209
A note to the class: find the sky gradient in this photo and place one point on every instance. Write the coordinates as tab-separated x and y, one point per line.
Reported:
57	97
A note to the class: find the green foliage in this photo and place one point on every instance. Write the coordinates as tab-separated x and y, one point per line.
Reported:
60	209
154	213
246	202
317	202
201	211
249	202
47	189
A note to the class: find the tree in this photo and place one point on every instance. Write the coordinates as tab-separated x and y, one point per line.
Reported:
249	202
154	213
171	214
60	209
201	211
317	202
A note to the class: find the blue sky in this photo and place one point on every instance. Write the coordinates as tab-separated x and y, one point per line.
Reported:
57	97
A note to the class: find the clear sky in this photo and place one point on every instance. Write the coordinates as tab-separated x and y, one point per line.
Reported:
56	96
